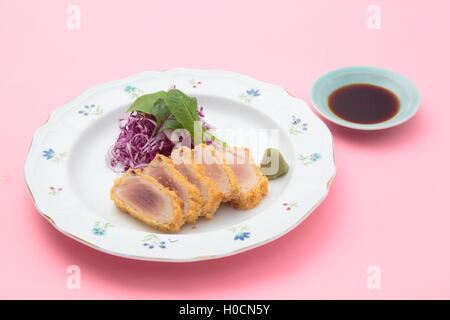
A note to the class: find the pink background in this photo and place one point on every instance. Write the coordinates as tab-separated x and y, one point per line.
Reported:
389	204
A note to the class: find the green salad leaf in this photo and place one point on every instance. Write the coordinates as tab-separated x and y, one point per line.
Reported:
170	124
146	102
160	112
184	102
180	106
174	109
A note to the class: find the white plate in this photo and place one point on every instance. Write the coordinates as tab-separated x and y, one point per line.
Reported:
69	180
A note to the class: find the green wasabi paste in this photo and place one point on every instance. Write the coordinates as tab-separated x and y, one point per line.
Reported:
273	164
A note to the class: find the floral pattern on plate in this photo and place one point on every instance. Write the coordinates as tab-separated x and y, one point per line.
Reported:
240	233
54	191
309	159
91	110
194	83
54	156
134	91
289	206
152	241
100	228
52	139
248	95
298	126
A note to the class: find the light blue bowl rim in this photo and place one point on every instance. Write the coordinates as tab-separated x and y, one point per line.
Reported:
365	69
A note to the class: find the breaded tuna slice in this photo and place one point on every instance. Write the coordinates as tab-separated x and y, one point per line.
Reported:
163	170
253	184
217	170
211	195
147	200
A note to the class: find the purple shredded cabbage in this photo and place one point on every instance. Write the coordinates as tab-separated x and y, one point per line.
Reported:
138	143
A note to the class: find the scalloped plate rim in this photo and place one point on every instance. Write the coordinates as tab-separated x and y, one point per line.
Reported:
85	94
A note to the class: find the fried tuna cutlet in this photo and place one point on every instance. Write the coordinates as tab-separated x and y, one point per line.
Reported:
211	195
253	184
217	170
147	200
163	170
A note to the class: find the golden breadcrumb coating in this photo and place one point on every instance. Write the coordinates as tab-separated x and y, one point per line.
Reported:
202	196
182	158
251	198
177	217
234	185
220	161
194	202
214	195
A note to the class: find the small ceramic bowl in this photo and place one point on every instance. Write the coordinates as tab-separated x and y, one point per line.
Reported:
403	88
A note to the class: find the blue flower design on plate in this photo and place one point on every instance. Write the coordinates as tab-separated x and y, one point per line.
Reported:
248	95
162	244
297	126
153	241
133	91
49	154
54	156
99	228
242	235
98	231
150	246
253	92
90	109
309	159
315	157
129	88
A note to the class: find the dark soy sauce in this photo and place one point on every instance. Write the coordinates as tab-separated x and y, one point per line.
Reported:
363	103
